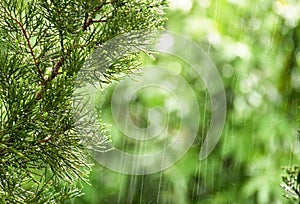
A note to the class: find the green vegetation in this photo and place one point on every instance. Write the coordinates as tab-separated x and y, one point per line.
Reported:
44	44
255	46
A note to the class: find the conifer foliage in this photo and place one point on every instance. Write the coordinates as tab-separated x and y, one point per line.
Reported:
291	183
44	44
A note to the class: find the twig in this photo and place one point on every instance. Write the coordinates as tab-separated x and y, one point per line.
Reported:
54	73
89	21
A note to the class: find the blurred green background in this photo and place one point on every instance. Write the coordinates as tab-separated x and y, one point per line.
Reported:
255	46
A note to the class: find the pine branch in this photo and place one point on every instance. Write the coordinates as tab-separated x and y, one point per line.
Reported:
41	149
87	23
29	46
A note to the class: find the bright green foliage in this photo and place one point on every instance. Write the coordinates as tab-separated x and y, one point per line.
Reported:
44	43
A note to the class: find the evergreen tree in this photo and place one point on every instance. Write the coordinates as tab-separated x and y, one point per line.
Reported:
44	44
